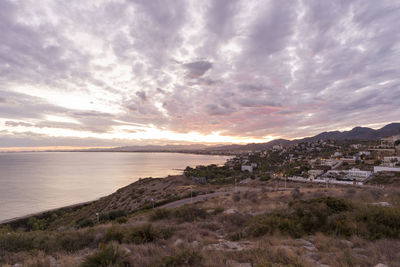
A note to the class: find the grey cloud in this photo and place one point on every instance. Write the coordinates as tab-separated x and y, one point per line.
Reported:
269	67
17	123
198	68
142	95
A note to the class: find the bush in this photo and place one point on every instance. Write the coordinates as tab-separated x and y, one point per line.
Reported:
74	241
189	213
85	223
159	214
306	217
184	258
265	177
107	256
142	234
122	220
236	197
114	234
112	215
379	222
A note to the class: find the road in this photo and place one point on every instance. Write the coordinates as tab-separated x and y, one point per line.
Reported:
195	199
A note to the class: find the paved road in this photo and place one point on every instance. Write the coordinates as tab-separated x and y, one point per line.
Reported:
195	199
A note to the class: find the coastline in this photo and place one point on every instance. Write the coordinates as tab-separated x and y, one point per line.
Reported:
40	213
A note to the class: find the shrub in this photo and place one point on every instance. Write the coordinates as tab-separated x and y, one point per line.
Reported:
112	215
296	194
236	197
189	213
122	220
114	234
85	223
306	217
379	222
159	214
76	240
184	258
142	234
107	256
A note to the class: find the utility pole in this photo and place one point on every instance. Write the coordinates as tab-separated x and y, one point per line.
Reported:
191	195
153	202
235	185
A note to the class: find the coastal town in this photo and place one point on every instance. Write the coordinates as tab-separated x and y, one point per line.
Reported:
349	162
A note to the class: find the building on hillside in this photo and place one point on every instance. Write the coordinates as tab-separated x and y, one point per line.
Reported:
356	146
358	174
379	153
391	161
364	153
248	168
337	155
389	142
314	173
277	147
386	169
200	180
350	160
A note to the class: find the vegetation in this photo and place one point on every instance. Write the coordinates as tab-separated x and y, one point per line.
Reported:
112	215
214	174
182	214
330	216
184	258
107	256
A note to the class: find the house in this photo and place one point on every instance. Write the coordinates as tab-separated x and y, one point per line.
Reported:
350	160
277	147
386	169
356	146
389	142
248	168
337	155
391	161
365	153
358	174
315	173
200	180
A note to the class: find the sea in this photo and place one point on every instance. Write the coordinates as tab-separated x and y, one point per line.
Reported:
39	181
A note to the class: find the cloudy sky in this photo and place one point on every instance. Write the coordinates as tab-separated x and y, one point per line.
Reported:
119	72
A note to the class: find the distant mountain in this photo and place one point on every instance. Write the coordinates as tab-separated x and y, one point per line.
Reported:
357	133
150	148
252	146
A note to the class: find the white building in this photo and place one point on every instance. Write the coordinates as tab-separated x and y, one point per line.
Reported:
337	155
356	146
315	173
248	168
391	161
365	153
386	169
358	174
277	147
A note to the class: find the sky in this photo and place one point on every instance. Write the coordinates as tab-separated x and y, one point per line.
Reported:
137	72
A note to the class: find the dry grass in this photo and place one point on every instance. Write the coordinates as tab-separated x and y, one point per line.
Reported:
212	225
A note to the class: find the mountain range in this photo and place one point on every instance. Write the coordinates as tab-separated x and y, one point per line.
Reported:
357	133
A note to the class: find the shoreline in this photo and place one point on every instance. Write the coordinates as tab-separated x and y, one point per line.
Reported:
40	213
109	151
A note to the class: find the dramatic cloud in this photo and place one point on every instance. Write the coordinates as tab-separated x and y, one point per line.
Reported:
115	72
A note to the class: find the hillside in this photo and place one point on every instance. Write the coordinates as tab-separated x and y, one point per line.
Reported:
256	224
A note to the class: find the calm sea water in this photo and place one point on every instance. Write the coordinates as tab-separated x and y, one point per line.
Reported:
34	182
